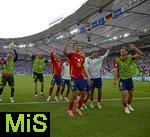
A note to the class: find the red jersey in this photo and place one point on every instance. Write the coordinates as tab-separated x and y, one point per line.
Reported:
57	65
76	65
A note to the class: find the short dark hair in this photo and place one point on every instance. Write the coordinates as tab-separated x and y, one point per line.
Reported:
56	54
9	52
93	51
124	48
75	44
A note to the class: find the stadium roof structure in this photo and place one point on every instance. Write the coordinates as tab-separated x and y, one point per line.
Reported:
97	23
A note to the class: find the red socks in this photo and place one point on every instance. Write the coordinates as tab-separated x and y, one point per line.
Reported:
85	101
80	104
71	105
50	91
125	104
58	90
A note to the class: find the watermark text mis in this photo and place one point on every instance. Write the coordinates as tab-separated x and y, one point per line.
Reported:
20	124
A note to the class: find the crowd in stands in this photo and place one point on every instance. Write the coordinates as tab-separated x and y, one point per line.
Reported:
24	64
143	64
25	67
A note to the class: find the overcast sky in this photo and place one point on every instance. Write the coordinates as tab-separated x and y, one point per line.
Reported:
20	18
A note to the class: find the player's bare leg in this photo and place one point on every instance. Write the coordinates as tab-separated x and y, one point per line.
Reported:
57	92
124	102
130	97
35	88
78	95
67	93
12	94
80	102
42	88
91	98
88	95
99	98
62	91
71	104
50	92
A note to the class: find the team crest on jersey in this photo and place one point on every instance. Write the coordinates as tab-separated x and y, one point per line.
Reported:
79	64
58	64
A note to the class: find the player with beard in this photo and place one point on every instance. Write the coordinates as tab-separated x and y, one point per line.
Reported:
125	70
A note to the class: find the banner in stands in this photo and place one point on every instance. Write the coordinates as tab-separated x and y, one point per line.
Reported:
110	77
139	78
142	78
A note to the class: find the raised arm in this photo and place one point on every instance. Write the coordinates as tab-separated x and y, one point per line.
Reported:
86	74
86	66
107	52
65	50
29	52
16	56
116	74
52	54
138	52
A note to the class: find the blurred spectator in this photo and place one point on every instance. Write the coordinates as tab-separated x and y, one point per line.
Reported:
24	64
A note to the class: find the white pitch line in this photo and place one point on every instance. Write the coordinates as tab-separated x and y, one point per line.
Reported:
54	102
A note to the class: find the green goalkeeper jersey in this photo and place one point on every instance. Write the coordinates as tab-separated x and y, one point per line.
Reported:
8	67
39	65
127	68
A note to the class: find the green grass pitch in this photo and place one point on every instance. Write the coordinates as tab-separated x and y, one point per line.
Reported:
110	121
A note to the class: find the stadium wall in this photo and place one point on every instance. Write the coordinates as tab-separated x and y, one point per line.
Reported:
138	78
